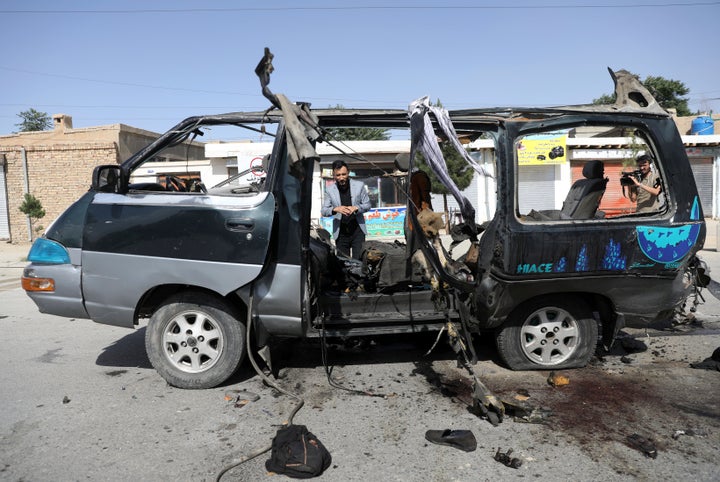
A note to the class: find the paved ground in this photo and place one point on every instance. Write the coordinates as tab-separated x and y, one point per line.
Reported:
12	259
80	401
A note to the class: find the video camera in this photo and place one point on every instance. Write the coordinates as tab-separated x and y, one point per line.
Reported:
626	178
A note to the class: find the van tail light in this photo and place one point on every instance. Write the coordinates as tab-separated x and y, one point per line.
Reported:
47	251
38	284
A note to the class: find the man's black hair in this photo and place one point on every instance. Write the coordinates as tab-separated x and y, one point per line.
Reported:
644	158
338	164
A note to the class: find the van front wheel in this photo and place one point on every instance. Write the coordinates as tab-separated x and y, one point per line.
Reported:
194	340
548	333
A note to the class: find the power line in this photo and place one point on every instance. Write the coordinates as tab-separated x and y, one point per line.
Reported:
361	7
180	89
127	84
124	106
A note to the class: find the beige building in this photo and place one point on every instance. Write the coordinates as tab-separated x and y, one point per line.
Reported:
56	167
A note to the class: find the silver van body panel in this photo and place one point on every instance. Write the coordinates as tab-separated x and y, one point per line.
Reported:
278	298
119	281
67	299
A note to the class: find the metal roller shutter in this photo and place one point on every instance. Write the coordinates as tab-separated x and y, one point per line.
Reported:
536	188
703	173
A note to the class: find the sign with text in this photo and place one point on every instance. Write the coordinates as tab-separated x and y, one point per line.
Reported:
544	149
380	222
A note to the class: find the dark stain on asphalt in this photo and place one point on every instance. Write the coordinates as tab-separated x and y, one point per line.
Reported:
115	373
49	356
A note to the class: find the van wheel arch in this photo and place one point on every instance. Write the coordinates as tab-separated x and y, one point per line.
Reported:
154	297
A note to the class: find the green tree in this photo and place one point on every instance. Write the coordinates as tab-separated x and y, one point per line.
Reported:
357	133
668	93
32	208
33	120
460	171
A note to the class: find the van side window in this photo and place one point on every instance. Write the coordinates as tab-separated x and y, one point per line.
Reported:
588	173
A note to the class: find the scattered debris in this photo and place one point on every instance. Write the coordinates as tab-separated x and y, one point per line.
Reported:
522	392
460	439
622	346
711	363
556	380
485	403
689	432
644	445
505	459
524	412
241	397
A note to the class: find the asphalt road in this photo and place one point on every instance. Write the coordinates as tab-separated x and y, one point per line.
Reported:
80	401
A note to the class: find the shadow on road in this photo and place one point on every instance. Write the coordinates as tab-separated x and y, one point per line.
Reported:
128	351
306	353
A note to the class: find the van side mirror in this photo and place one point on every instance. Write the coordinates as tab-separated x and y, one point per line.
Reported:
106	178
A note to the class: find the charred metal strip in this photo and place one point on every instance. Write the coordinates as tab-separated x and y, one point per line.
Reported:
465	328
446	125
630	92
263	70
484	401
299	147
301	124
423	139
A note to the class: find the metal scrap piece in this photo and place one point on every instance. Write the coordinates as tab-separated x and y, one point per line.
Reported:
644	445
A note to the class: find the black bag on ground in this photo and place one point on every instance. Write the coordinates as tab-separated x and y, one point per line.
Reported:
297	453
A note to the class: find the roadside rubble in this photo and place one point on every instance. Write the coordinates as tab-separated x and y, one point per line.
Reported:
241	397
507	460
689	432
557	380
643	444
521	411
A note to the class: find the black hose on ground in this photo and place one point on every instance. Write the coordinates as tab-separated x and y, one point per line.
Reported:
271	383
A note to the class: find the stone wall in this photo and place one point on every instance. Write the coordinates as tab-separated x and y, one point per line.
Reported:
58	175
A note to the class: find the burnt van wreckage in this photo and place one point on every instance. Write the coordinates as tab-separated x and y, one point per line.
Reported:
206	265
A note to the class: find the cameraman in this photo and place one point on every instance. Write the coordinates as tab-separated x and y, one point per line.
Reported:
647	188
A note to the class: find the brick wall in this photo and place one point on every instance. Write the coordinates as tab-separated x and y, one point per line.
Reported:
58	175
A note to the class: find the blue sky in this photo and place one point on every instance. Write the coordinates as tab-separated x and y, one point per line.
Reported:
151	63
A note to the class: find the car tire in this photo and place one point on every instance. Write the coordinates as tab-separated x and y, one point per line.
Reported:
195	340
551	332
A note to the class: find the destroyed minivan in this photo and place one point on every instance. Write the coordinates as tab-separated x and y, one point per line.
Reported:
550	269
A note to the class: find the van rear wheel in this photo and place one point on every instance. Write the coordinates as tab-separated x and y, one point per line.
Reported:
548	333
194	340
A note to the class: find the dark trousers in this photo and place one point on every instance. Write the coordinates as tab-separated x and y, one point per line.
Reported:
355	241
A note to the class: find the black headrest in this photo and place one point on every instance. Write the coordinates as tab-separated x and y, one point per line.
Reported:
402	161
594	170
